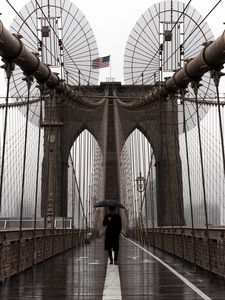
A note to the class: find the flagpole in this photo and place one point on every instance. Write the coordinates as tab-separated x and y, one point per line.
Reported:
110	71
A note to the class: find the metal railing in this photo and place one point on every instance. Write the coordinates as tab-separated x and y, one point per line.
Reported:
14	224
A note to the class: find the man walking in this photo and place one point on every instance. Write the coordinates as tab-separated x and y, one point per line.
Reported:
113	224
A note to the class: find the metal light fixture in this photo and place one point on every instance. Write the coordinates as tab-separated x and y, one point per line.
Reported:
141	182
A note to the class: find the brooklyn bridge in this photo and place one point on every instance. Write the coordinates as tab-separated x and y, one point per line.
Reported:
154	145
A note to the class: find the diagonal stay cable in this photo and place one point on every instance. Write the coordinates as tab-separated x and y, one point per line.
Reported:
203	20
78	188
197	26
35	33
164	41
58	38
24	21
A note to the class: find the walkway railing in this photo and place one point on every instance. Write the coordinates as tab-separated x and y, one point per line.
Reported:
191	247
14	224
18	253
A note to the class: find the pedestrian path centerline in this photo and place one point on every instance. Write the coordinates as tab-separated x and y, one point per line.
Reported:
181	277
112	287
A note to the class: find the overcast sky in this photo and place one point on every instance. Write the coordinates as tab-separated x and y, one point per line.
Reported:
112	22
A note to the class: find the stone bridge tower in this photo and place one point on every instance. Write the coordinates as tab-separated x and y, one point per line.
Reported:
111	121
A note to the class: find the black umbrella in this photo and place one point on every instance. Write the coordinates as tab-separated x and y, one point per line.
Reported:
109	203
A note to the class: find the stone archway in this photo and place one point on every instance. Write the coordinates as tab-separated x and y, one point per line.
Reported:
111	123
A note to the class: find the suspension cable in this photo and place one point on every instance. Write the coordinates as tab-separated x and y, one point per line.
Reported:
58	39
197	26
9	67
37	178
195	86
29	81
78	188
189	177
187	5
24	21
216	74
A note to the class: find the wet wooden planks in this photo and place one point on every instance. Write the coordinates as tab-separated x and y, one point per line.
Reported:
142	277
80	274
76	274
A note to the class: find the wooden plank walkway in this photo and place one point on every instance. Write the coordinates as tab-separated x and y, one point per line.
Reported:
80	274
145	277
75	274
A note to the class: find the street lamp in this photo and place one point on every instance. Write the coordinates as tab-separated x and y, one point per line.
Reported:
141	186
141	181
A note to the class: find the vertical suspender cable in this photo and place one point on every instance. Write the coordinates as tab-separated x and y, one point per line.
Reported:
92	182
86	176
87	183
77	154
144	200
74	166
37	178
180	212
189	178
172	217
134	192
46	188
216	74
73	203
195	86
153	214
136	161
134	188
140	159
147	196
83	176
8	68
57	139
160	183
138	172
146	176
180	192
89	177
81	179
78	188
28	79
90	141
132	182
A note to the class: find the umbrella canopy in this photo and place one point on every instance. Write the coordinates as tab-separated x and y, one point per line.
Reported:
109	203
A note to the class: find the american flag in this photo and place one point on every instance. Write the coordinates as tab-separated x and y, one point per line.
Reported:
101	62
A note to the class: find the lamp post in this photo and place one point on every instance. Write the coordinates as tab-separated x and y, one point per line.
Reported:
141	186
141	181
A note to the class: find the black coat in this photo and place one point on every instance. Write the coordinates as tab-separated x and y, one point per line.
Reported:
113	229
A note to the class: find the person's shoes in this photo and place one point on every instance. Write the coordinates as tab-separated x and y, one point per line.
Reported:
115	263
111	262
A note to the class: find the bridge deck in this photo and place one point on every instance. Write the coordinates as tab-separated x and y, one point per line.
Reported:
80	274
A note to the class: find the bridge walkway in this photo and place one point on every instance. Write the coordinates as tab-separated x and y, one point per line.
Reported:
80	274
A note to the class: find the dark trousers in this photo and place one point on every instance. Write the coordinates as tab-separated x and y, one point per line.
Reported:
116	253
